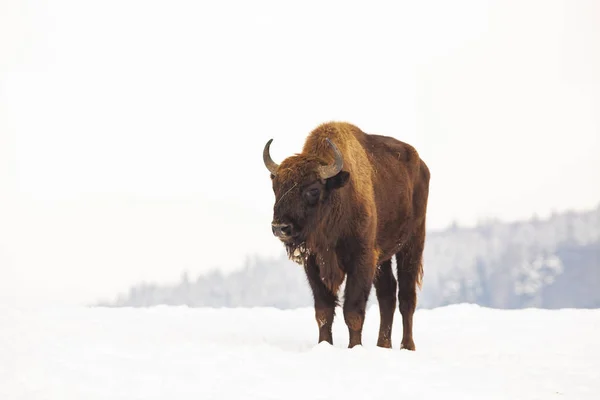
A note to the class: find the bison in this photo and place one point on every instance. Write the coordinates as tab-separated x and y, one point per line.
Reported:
343	208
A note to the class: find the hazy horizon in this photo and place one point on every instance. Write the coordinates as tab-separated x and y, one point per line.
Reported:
131	133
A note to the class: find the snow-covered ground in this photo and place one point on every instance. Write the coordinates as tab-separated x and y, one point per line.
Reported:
463	352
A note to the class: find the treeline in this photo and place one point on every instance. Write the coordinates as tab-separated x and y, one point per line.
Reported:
551	263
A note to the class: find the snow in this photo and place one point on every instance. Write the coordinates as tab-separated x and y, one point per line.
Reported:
463	352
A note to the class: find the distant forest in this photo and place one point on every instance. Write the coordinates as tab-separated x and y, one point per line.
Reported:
550	263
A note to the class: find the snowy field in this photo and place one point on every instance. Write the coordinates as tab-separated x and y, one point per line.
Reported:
463	352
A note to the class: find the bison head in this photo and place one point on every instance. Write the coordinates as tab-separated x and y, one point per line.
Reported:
303	185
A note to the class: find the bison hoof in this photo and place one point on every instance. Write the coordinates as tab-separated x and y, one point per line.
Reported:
408	345
327	340
385	343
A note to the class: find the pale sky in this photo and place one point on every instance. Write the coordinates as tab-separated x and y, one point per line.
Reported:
131	132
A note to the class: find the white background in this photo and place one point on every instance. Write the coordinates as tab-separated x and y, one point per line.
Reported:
131	132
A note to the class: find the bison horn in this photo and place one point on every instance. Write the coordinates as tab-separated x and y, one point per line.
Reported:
271	165
329	171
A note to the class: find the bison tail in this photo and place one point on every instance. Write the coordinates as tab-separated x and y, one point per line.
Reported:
420	273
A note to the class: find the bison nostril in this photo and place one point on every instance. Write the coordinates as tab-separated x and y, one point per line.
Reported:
286	229
281	229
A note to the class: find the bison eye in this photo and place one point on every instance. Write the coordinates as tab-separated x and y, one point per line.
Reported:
312	195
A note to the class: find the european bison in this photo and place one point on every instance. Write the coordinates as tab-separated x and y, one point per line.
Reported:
343	208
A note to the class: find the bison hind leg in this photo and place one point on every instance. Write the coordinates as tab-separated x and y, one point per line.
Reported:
385	289
410	273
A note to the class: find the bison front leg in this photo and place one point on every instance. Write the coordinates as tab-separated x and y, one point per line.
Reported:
324	300
358	286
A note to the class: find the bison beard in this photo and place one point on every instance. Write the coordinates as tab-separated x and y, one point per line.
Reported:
346	205
329	271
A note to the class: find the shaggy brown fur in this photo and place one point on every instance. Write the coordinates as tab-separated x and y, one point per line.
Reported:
351	225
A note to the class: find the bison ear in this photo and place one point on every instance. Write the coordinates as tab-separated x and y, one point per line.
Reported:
338	181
